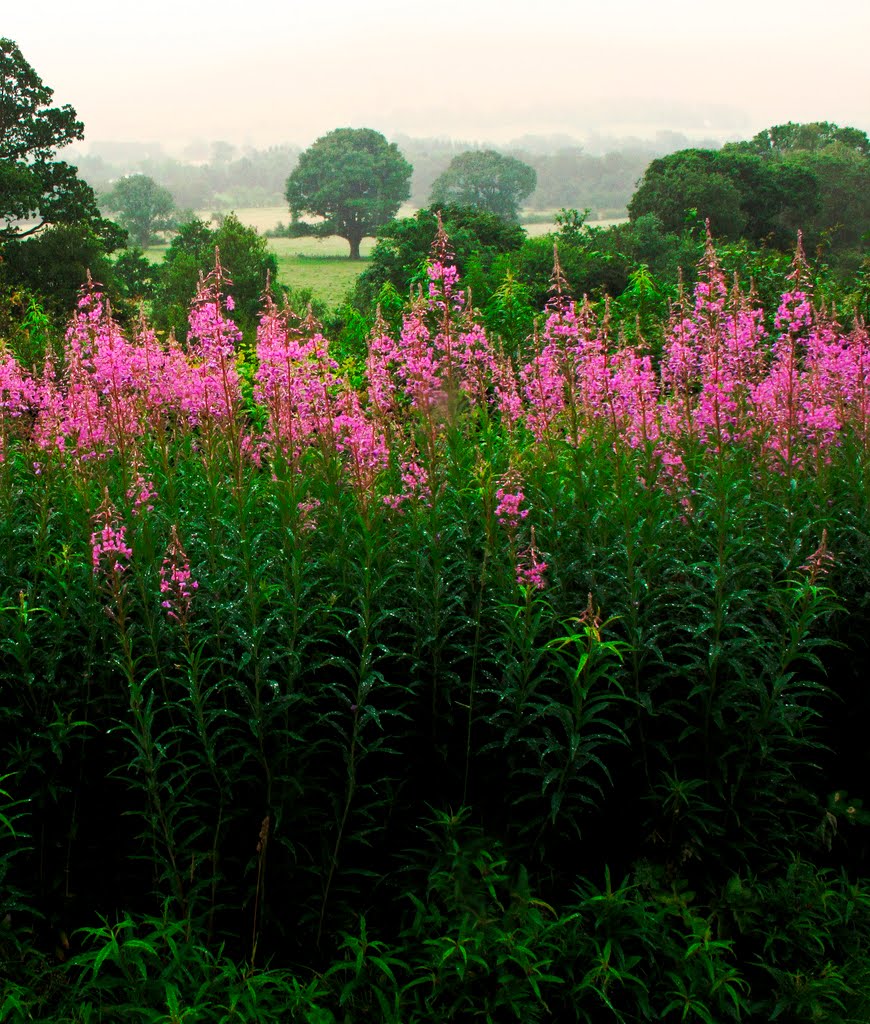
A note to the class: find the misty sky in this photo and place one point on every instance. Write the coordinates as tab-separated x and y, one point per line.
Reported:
270	72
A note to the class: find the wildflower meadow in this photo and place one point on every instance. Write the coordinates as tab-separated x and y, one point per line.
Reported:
451	680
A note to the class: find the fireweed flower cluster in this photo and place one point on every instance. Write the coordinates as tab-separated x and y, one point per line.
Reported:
531	567
296	381
213	338
416	485
440	353
176	582
18	394
110	552
508	511
720	379
141	494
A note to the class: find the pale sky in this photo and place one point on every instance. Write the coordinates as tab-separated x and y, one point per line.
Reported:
268	72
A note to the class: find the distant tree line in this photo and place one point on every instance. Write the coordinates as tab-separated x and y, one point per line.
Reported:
221	177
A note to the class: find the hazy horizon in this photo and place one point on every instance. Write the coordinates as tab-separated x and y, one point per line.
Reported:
478	71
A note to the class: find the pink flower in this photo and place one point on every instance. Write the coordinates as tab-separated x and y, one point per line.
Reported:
508	511
142	493
176	582
531	569
110	552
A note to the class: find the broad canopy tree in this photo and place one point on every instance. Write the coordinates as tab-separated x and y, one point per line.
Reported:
36	189
142	206
814	177
354	179
485	180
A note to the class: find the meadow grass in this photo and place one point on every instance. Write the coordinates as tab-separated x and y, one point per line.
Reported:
535	222
319	264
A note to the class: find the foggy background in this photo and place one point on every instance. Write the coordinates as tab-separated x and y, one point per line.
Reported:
183	74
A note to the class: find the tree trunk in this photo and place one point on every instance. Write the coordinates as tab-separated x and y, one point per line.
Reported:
354	247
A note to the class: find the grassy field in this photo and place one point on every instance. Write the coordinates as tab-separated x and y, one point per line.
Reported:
320	264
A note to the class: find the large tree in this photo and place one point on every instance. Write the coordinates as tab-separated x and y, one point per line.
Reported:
142	206
741	193
487	181
354	179
35	188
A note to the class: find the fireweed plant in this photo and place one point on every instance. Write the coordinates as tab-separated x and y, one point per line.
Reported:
503	685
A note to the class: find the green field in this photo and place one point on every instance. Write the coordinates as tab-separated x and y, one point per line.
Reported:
263	218
320	264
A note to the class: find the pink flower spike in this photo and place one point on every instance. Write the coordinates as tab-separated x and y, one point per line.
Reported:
176	582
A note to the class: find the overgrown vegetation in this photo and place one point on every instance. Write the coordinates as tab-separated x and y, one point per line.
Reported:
464	679
494	651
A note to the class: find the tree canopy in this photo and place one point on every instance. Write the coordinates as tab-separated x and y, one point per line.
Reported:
812	177
142	206
811	137
485	180
35	188
354	179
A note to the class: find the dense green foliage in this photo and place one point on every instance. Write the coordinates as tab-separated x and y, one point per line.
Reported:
402	251
352	178
813	177
485	180
244	256
371	767
54	264
36	188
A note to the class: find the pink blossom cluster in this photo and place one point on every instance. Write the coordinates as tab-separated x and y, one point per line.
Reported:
295	381
787	393
141	494
531	568
440	355
110	552
177	584
416	485
508	511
